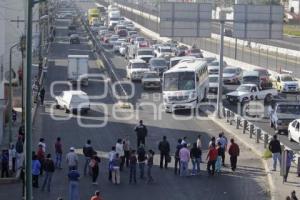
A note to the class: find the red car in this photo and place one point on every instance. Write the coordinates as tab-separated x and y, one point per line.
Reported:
264	76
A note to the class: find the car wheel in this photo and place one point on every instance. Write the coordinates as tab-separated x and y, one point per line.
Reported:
67	110
57	106
290	136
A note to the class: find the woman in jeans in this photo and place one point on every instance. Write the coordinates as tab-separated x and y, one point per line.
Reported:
196	159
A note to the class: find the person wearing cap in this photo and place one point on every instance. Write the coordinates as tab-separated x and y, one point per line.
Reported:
97	196
72	159
141	133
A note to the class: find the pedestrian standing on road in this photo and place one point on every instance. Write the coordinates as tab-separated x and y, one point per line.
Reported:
4	163
58	153
223	142
36	169
120	151
88	152
94	164
219	158
234	152
211	157
150	165
184	155
111	156
184	140
12	155
177	159
42	142
293	195
21	133
42	95
14	116
41	157
126	147
275	148
164	148
141	133
195	155
19	152
96	196
141	160
132	166
212	141
49	168
116	162
289	159
72	159
73	176
199	142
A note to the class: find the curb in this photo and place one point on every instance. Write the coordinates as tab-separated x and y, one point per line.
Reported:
8	180
271	184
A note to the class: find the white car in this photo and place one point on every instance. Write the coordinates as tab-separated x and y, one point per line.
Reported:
232	75
123	48
294	131
151	79
136	69
213	83
163	51
117	44
73	101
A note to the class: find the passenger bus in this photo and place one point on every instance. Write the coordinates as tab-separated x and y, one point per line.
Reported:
185	84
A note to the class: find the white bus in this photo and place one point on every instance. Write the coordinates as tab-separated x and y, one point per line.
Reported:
185	85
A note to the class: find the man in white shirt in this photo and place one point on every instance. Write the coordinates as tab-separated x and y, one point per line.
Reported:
111	156
72	159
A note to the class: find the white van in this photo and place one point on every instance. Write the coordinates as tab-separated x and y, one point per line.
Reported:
73	100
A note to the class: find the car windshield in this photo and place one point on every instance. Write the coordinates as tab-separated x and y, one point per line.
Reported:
139	65
250	79
214	63
289	109
166	50
144	52
79	98
245	88
195	51
175	81
213	79
151	75
158	62
140	39
229	71
287	78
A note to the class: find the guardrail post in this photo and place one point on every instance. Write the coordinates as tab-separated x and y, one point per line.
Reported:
238	121
258	134
245	124
251	130
227	115
266	140
298	167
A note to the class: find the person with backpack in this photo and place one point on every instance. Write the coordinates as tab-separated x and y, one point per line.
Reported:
164	148
132	166
49	168
177	158
150	165
141	160
141	133
4	163
58	153
94	164
88	152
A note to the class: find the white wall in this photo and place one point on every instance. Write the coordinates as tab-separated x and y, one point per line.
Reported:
295	4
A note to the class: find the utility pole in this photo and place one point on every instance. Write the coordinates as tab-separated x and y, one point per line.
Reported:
41	33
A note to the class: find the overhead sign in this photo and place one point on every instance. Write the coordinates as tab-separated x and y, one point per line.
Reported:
180	19
258	21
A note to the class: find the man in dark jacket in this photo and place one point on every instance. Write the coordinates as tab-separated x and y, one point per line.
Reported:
141	160
234	152
49	168
164	148
88	152
177	159
141	133
275	148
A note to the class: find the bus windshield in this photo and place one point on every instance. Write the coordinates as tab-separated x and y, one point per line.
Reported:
175	81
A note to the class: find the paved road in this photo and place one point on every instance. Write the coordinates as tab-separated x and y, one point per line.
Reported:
249	182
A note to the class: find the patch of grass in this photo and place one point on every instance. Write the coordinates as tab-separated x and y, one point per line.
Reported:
291	30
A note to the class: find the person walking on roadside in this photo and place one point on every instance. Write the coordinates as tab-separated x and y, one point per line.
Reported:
141	133
184	155
42	142
289	160
36	169
218	164
72	159
293	195
42	95
58	153
49	168
4	163
132	166
88	152
94	164
41	157
116	162
120	151
73	176
223	142
177	159
141	160
150	165
164	148
126	147
97	196
234	152
195	155
275	148
111	156
211	157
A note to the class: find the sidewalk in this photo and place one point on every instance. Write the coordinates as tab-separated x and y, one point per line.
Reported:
278	189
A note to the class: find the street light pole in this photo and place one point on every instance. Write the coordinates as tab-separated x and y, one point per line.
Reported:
10	94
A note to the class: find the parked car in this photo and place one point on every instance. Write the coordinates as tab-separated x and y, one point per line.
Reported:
151	79
158	65
74	39
232	75
294	131
282	114
286	83
73	101
136	68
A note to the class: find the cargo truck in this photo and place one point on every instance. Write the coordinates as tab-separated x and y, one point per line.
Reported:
78	69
